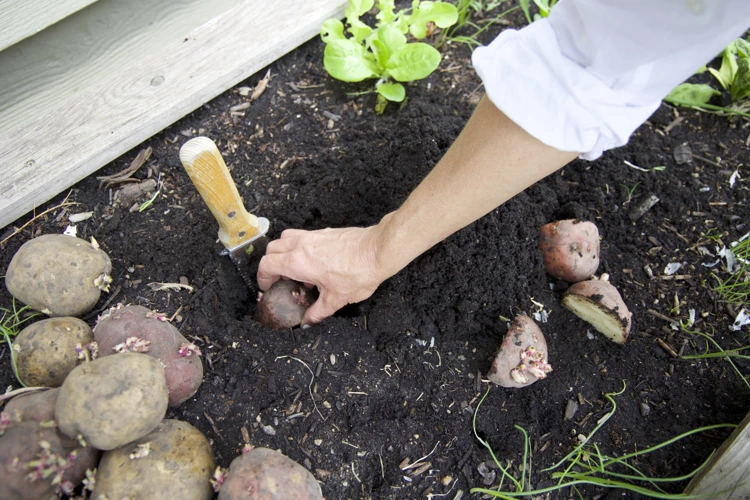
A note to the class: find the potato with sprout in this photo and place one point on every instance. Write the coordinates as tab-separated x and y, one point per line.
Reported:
260	473
521	359
59	275
570	249
46	351
174	460
139	329
113	400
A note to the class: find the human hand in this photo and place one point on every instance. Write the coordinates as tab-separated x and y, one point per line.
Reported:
342	263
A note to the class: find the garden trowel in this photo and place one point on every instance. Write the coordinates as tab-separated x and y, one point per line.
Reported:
242	234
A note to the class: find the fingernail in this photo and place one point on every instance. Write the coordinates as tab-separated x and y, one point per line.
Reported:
305	327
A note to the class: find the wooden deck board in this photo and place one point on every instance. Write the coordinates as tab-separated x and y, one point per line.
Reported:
727	475
48	155
20	19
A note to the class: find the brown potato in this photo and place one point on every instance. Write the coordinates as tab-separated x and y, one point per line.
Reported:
262	474
600	304
570	249
113	400
522	357
173	461
283	305
20	445
59	275
37	406
159	339
46	350
40	407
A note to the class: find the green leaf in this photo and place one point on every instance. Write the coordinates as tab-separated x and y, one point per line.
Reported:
358	29
385	11
392	91
544	7
381	52
524	4
348	61
332	29
413	61
358	8
441	13
391	37
728	70
741	85
691	94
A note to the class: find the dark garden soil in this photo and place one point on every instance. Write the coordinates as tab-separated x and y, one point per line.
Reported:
400	375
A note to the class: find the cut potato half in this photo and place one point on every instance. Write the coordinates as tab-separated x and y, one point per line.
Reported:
600	304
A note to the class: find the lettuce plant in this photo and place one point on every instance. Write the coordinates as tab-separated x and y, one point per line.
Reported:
384	51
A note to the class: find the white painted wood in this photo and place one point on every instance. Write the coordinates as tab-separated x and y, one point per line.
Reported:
56	150
727	475
84	49
20	19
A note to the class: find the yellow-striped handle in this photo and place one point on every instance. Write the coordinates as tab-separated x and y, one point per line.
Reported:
206	168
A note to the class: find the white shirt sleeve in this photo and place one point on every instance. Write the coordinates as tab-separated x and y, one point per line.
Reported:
586	77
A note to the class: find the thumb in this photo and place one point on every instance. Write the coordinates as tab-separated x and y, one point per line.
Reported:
320	310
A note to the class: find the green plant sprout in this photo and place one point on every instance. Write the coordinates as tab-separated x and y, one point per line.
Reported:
587	465
733	75
629	192
10	325
544	6
384	52
466	9
735	290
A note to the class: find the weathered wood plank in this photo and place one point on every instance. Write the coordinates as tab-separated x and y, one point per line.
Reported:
88	47
20	19
57	150
728	471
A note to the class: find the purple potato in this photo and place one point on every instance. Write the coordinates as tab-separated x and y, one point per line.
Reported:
283	305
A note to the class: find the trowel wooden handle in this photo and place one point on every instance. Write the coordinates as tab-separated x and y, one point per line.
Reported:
206	168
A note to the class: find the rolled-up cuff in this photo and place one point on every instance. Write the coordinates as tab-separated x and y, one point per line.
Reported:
552	97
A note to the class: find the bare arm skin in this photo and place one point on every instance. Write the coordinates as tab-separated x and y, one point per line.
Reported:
492	160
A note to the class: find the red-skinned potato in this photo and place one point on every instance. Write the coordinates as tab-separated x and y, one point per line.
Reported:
113	400
22	444
46	350
174	461
283	305
522	357
59	275
570	249
138	329
40	407
600	304
260	474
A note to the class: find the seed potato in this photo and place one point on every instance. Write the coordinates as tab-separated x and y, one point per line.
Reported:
174	460
59	275
46	350
570	249
20	444
113	400
157	338
521	359
598	302
262	474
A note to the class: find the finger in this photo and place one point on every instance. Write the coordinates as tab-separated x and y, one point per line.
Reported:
308	285
291	233
320	310
280	245
270	270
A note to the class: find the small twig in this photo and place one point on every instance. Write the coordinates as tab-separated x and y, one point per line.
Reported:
65	203
175	287
417	464
106	304
312	379
667	348
661	316
213	425
124	175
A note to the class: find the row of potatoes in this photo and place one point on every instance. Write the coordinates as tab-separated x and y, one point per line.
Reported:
97	423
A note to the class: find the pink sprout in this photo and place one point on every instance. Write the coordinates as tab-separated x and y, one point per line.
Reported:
157	315
220	475
247	448
134	344
186	350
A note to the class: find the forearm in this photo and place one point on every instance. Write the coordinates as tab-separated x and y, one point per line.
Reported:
490	162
